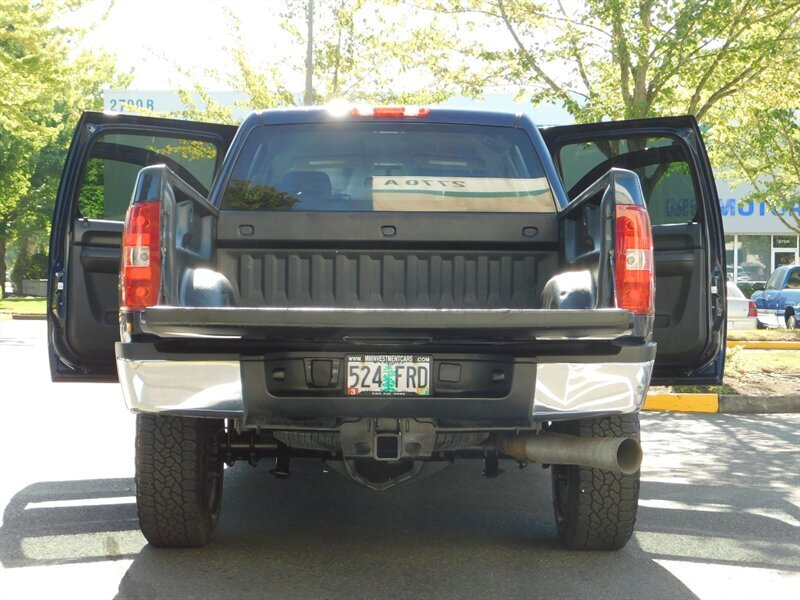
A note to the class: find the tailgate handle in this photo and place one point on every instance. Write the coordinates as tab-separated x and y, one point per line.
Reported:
387	341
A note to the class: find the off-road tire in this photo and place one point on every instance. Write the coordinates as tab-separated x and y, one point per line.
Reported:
791	321
596	509
178	479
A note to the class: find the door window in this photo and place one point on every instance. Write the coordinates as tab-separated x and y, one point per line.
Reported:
793	282
775	280
784	250
660	162
783	258
115	160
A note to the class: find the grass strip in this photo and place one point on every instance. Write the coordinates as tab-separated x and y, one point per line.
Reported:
23	306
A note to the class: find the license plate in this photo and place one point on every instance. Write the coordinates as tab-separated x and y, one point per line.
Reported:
388	375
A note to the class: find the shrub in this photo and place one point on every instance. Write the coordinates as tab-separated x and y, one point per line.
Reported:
28	266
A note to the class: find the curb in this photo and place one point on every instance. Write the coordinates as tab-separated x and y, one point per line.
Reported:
738	404
31	317
705	403
765	345
726	403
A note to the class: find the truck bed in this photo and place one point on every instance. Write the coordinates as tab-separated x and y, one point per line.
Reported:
379	261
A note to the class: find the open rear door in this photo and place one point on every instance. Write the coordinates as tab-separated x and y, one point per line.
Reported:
106	154
669	156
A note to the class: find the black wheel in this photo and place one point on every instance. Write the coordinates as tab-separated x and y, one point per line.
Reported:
178	479
791	321
596	509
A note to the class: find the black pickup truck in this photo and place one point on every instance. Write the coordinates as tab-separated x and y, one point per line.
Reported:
386	290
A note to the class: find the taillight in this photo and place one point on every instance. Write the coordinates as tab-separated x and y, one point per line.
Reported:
140	276
390	111
752	311
634	269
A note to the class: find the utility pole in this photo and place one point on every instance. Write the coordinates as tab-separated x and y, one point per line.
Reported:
309	96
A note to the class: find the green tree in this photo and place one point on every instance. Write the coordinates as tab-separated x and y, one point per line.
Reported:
388	382
728	62
46	85
630	58
363	51
760	144
372	51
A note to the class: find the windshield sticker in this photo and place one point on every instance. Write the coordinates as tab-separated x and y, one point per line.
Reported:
477	194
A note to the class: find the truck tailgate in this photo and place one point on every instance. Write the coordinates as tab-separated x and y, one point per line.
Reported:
354	323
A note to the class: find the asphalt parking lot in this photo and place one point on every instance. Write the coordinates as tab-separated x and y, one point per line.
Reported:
719	514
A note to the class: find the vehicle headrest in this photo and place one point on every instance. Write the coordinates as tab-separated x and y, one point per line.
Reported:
306	183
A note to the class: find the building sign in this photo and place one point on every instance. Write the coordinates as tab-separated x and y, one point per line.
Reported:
164	102
749	217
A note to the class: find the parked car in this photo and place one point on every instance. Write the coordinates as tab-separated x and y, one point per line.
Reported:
742	312
778	304
386	290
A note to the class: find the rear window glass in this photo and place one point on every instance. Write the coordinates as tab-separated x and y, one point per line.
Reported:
374	166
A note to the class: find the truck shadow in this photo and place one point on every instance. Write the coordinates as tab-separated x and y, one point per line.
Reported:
457	534
319	535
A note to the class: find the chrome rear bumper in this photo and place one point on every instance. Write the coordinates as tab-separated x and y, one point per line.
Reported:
590	388
209	388
200	388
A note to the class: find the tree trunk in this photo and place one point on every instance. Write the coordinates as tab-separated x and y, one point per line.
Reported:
308	99
2	265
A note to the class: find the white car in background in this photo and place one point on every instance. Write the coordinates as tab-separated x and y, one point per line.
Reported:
742	313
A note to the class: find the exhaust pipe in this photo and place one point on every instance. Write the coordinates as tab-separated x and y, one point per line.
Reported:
620	455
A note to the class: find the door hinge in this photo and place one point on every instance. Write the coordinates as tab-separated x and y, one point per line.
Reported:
57	298
717	310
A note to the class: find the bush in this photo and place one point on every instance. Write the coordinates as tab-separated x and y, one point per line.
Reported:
28	266
747	288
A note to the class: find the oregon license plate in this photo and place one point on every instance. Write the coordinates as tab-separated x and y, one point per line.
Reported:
388	375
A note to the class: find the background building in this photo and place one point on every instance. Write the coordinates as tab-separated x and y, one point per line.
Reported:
756	241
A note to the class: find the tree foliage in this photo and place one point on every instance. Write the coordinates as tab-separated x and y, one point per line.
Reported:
728	62
630	58
366	50
46	85
363	51
760	143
